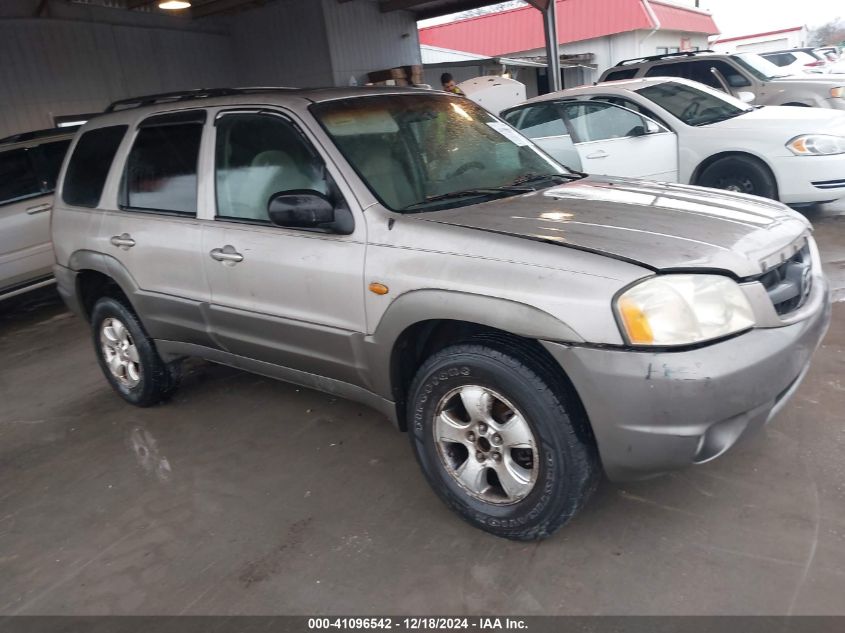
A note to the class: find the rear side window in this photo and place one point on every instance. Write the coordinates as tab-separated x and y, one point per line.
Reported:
628	73
678	69
161	171
89	165
17	176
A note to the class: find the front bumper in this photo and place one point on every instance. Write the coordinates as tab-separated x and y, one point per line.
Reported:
809	179
654	412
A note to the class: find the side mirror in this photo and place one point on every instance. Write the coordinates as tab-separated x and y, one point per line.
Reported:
300	208
746	97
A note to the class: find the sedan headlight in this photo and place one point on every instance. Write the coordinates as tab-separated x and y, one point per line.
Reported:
682	310
817	145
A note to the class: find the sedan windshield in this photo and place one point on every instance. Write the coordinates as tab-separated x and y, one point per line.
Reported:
421	152
759	66
694	106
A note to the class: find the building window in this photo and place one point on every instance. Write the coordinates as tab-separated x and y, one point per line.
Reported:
668	50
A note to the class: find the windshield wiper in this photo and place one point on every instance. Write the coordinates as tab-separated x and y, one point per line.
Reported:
526	179
467	193
725	117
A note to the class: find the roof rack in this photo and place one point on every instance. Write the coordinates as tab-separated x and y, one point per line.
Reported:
652	58
38	134
183	95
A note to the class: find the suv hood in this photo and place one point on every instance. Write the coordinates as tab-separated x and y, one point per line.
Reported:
817	79
659	226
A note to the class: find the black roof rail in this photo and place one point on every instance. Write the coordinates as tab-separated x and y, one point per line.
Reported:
38	134
652	58
184	95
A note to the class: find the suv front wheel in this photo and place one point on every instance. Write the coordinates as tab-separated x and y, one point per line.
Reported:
128	356
496	442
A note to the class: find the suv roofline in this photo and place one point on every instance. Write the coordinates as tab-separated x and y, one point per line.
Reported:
311	94
654	58
38	135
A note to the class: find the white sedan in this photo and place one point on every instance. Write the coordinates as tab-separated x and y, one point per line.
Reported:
677	130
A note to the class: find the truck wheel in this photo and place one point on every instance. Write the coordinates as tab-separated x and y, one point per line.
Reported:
128	356
741	174
496	441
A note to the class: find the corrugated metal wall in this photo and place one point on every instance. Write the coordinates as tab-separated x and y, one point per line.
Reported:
364	39
282	44
62	67
82	58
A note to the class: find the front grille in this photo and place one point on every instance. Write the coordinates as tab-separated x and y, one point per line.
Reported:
790	282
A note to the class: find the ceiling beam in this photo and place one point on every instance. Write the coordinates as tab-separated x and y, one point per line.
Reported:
137	4
417	6
217	6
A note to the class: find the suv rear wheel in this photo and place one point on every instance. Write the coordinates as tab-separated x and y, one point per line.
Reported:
128	356
740	174
496	442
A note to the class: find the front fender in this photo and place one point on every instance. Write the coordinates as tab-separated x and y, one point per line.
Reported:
431	304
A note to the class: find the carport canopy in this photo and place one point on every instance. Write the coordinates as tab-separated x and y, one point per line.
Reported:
435	8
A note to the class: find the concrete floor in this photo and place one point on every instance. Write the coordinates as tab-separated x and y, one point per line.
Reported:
248	496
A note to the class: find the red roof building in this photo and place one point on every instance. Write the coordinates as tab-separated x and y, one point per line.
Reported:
521	29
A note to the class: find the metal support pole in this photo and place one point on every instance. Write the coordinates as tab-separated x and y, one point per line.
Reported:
552	51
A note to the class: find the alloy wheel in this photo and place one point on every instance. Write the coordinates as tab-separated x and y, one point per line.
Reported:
120	352
486	445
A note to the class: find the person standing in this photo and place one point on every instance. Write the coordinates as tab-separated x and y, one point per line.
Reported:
449	85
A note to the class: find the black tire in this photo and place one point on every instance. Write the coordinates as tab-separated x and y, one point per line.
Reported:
157	380
567	463
742	174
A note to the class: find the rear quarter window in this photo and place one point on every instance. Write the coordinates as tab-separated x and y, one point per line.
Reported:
89	165
17	176
628	73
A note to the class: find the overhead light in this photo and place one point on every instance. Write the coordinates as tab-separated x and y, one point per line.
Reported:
174	5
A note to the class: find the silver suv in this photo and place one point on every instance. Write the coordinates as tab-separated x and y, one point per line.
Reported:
528	326
29	164
746	76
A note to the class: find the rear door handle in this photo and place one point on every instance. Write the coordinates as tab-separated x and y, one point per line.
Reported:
123	241
598	154
227	255
39	208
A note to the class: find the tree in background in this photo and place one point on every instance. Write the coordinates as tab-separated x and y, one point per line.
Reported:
830	34
502	6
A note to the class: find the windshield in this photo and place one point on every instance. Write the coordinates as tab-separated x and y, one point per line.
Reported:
759	66
694	106
420	152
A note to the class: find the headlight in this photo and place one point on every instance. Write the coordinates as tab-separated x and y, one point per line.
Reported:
838	92
682	310
817	145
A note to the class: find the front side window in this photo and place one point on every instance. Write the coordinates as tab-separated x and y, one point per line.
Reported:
759	66
631	105
89	165
17	176
600	121
538	121
257	156
694	106
161	171
421	152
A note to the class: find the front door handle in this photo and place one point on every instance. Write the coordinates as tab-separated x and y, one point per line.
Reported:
123	241
228	255
598	154
39	208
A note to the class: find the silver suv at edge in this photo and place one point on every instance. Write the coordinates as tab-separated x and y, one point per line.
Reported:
29	165
527	325
746	76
